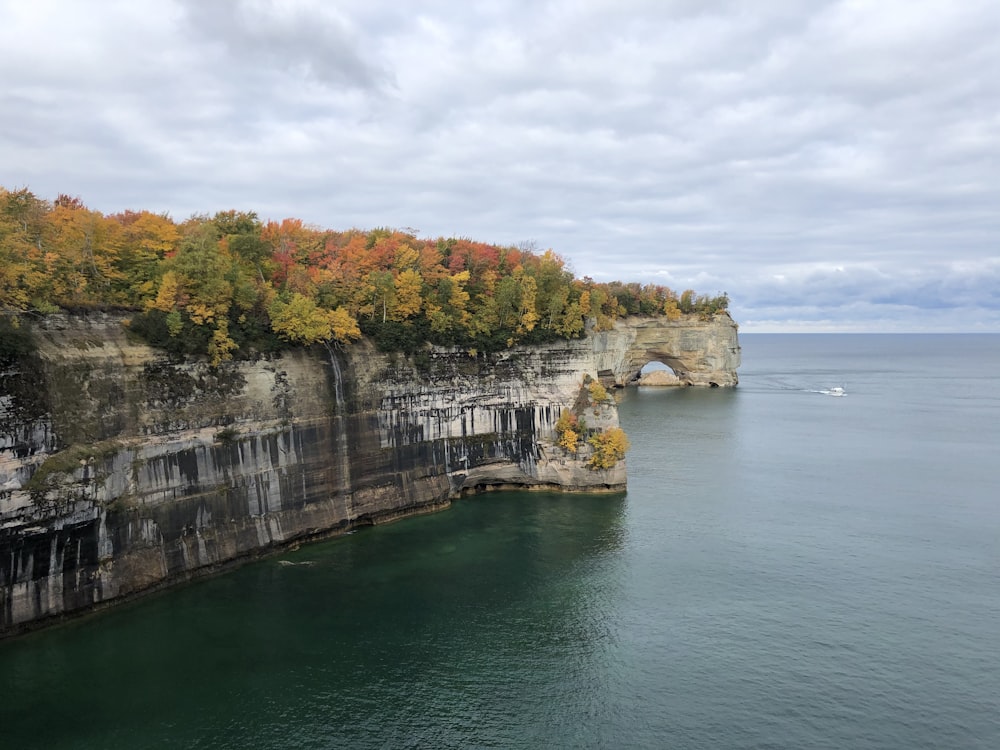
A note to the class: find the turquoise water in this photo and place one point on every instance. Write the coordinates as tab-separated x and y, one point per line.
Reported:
787	570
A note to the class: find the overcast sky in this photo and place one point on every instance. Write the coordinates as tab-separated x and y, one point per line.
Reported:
831	164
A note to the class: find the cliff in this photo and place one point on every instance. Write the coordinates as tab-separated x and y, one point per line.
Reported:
123	470
699	351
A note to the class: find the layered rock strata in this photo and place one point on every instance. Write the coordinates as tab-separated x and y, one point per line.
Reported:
123	470
699	351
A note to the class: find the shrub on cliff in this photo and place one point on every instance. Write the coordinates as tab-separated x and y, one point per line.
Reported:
598	393
568	431
609	448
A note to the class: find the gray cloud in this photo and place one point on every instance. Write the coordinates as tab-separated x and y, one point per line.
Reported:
303	39
824	163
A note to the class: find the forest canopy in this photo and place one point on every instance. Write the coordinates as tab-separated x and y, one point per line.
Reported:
231	284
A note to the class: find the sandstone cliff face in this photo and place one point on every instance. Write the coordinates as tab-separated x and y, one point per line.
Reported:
699	351
122	470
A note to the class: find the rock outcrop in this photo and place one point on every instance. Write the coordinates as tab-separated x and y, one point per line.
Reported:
123	470
659	378
699	351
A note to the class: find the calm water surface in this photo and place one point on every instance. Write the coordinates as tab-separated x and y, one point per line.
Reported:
787	570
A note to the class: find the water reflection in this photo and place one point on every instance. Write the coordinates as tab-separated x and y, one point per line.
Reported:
417	631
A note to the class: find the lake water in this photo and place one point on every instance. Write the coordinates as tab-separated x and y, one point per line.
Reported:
789	569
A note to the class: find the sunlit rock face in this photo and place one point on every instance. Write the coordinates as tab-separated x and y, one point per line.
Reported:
122	469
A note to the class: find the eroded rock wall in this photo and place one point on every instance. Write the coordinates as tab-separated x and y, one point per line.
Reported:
122	470
701	351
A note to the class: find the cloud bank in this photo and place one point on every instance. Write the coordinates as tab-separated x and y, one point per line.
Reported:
831	165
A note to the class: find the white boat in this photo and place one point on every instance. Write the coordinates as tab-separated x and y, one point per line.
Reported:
835	391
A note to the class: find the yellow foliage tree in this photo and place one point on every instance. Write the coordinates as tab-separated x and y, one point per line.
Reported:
302	321
220	346
408	297
406	257
568	440
570	323
671	310
609	448
88	246
598	393
299	320
529	288
147	239
447	303
343	326
458	299
167	297
567	427
21	273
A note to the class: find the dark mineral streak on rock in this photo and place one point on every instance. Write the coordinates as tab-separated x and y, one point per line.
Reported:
123	470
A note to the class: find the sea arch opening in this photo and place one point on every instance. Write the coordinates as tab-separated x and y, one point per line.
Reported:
655	372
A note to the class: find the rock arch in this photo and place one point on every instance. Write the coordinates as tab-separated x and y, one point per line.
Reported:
703	352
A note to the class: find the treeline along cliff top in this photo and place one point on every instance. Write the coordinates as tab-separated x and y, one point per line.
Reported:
228	285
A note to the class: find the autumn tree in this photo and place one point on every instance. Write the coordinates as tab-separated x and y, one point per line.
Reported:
671	309
147	239
408	294
446	305
22	274
609	448
229	282
568	431
197	288
301	321
553	290
598	393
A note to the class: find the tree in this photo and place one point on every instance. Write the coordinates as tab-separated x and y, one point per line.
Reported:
598	393
567	431
147	239
686	303
203	271
552	282
343	326
236	223
169	297
509	310
22	274
446	305
89	248
568	440
378	292
300	321
609	448
212	281
407	295
221	346
671	310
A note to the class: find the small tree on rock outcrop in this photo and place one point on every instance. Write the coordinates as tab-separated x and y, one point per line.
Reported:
609	448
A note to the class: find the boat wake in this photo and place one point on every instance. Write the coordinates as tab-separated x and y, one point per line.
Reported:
836	391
